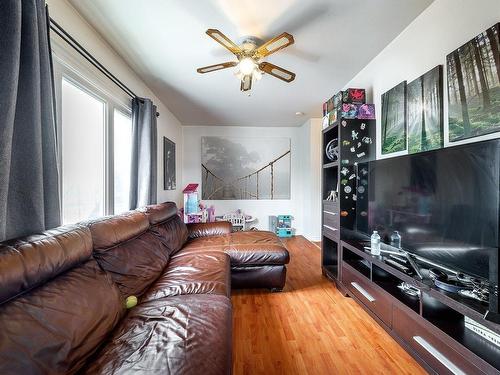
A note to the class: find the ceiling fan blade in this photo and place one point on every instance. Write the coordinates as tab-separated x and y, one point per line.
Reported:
281	41
224	40
246	83
276	71
213	68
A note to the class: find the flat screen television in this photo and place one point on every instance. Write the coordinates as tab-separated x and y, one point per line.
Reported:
444	203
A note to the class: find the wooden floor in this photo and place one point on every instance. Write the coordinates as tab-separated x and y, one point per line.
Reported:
310	328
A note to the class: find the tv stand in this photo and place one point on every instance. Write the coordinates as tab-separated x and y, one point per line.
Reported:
430	326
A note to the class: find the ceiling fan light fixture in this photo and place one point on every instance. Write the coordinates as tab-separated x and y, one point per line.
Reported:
247	66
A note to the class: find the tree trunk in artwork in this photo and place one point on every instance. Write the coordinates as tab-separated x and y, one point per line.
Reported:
423	141
494	49
461	91
484	85
471	72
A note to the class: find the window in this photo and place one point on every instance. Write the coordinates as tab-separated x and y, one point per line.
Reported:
94	141
122	160
82	145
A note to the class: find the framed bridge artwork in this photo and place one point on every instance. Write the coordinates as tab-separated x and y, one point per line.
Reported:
245	168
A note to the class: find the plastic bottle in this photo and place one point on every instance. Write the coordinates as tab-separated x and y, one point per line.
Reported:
396	239
375	243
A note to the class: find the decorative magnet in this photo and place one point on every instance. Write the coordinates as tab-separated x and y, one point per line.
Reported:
344	171
367	140
343	181
354	135
352	176
354	197
352	149
344	123
361	189
362	126
363	213
344	213
347	189
346	143
359	144
345	161
361	154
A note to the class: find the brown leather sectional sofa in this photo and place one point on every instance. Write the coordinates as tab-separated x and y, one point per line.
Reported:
63	292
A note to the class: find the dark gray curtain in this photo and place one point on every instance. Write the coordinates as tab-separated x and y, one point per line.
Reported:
29	190
144	153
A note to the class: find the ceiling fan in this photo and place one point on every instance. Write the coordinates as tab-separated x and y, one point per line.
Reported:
249	55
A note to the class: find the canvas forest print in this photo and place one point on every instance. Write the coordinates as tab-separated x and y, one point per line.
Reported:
394	119
169	179
245	168
473	86
425	111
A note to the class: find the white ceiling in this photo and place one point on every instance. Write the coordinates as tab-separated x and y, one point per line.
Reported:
165	41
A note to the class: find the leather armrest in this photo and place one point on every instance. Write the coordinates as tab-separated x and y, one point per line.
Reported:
217	228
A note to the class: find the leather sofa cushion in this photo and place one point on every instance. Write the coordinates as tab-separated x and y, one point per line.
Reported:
56	327
256	248
112	230
167	225
188	334
217	228
217	243
28	262
193	273
135	257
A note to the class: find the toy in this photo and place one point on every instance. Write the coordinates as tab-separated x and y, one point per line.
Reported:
284	226
191	203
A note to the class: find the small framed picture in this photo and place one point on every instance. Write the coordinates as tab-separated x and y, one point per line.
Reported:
169	178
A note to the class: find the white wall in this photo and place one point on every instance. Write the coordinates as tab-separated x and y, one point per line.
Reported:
440	29
168	125
302	168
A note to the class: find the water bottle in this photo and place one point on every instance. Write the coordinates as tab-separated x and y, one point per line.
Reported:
396	239
375	243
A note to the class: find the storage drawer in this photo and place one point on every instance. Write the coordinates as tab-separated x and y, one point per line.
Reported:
331	232
379	302
431	349
331	206
331	218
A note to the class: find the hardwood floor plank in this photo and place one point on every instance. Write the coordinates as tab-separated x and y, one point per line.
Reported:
310	327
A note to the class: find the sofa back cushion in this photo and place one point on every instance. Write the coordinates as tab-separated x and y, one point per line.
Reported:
131	253
167	224
57	304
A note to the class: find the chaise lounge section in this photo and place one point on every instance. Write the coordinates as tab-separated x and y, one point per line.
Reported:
63	293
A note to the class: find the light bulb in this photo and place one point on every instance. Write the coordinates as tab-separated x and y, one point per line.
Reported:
247	66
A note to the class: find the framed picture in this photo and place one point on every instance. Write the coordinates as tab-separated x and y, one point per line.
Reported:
245	168
169	179
425	111
394	119
473	72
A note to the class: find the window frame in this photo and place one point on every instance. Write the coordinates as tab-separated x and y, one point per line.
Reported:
81	74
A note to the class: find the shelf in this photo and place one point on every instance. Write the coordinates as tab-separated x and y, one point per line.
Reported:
332	164
452	323
330	127
331	271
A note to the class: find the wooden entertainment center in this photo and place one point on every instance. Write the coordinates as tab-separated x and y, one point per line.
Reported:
431	325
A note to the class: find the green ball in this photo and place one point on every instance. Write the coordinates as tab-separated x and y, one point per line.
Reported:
130	302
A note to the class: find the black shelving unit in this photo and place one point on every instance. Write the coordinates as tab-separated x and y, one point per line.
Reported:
356	146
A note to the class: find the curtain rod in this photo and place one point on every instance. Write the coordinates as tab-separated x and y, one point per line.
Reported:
54	26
